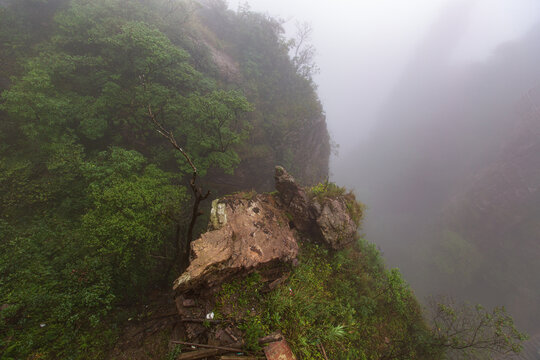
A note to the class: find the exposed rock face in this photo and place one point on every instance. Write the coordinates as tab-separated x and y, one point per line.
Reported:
335	224
328	219
226	65
294	198
250	232
247	234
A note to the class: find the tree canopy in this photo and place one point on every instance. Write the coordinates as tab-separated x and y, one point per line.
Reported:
94	202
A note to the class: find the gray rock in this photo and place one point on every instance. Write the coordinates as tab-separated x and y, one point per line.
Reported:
336	226
328	220
294	199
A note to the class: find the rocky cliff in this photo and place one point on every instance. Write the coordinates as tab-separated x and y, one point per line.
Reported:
249	231
258	234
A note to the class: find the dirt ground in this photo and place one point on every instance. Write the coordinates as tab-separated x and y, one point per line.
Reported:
147	335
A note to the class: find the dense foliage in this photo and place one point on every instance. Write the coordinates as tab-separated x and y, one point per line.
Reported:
344	302
93	201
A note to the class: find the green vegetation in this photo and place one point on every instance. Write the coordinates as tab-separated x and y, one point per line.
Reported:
345	302
348	305
93	201
472	332
94	208
326	189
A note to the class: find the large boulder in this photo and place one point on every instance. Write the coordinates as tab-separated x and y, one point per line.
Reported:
248	232
334	222
327	217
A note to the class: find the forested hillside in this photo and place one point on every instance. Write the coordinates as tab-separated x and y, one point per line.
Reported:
94	202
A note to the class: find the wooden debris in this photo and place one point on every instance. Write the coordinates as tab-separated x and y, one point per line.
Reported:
230	333
211	321
271	338
274	284
232	348
200	354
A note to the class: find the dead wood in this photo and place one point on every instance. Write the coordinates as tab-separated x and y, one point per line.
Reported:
232	348
200	354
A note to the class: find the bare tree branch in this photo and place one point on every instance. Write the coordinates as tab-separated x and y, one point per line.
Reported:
198	193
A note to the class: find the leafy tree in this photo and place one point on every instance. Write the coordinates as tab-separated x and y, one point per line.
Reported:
82	82
132	210
288	111
68	272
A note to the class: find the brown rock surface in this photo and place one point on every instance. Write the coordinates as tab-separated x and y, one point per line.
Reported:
250	233
279	350
294	199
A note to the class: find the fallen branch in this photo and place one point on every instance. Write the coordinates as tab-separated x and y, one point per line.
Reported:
204	346
163	316
201	354
230	333
323	351
270	338
211	321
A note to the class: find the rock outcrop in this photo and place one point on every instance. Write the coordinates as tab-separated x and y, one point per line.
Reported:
294	199
247	232
334	222
326	218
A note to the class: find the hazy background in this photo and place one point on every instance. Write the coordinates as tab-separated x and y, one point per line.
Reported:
363	46
435	107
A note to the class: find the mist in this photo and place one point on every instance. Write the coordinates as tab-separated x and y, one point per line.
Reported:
433	108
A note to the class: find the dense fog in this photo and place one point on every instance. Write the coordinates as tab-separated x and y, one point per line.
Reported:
433	106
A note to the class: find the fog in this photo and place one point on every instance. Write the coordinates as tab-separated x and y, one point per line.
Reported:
364	46
433	104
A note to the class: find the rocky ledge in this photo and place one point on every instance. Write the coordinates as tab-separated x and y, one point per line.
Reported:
249	232
261	233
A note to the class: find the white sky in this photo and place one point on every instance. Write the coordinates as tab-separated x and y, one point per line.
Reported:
363	46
